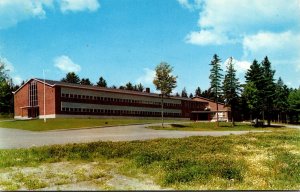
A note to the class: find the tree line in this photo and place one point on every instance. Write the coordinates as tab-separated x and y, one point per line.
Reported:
260	97
71	77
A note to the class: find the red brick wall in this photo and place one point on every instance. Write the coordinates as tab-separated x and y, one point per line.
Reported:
21	100
50	99
212	105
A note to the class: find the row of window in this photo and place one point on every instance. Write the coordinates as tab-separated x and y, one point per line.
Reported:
76	96
117	112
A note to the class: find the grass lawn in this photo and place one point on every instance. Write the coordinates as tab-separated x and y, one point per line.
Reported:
52	124
209	126
269	160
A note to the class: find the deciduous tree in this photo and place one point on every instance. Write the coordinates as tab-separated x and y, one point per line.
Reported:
165	82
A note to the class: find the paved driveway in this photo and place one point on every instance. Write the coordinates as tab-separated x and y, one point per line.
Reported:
14	138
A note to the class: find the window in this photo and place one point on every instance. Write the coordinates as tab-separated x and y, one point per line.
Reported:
33	99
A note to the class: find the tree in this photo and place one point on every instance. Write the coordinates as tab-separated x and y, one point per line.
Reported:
198	92
231	88
268	93
253	89
215	80
113	87
129	86
191	95
281	104
177	94
6	88
184	93
85	81
101	82
294	103
71	77
140	87
165	82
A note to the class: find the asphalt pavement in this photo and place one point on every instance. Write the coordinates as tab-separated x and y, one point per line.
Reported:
15	138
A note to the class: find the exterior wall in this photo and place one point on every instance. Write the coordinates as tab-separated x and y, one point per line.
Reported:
89	102
21	100
50	99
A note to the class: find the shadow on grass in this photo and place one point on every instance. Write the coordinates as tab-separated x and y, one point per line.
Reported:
178	125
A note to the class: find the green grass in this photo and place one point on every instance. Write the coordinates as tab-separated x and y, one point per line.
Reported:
53	124
258	161
209	126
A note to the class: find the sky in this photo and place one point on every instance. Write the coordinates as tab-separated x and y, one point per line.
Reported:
124	40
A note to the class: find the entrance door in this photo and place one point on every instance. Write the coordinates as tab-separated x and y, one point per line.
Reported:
33	112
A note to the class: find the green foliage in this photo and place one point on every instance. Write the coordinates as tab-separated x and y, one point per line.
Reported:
71	77
215	76
294	100
198	92
231	87
164	80
101	82
85	81
184	93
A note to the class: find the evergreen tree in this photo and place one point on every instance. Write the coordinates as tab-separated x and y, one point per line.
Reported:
215	80
71	77
198	92
294	104
231	88
140	87
191	95
268	93
165	82
129	86
184	93
177	94
281	99
85	81
253	89
101	82
113	87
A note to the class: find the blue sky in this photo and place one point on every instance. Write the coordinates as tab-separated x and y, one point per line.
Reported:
123	40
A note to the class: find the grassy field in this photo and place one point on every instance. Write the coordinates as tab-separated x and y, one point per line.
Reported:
208	126
258	161
52	124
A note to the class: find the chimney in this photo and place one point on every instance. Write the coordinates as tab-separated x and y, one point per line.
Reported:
147	90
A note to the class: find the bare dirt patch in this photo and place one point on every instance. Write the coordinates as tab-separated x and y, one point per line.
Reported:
70	176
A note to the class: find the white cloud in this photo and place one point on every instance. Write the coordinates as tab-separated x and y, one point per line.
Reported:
8	65
235	19
147	77
79	5
206	37
283	48
17	80
14	11
65	64
191	5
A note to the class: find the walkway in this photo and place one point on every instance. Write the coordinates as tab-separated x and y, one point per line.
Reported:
14	138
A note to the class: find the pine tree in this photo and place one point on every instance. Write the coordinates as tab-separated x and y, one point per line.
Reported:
231	88
253	89
198	92
184	93
71	77
191	95
268	93
140	87
85	81
215	80
281	99
101	82
129	86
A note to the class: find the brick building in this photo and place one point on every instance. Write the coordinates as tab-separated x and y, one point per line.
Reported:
73	100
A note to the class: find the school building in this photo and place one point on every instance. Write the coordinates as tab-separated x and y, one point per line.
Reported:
54	99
